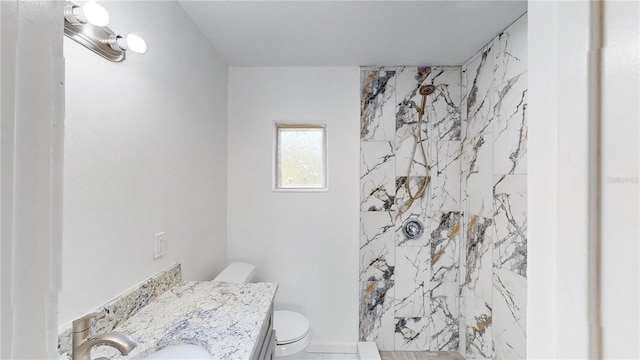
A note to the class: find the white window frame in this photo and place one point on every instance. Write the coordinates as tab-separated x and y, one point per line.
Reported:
298	125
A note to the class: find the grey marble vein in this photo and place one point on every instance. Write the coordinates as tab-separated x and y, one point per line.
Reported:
510	126
376	313
377	104
510	218
377	176
377	256
411	333
444	325
412	281
445	233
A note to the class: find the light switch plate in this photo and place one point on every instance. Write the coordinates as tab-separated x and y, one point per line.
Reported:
160	245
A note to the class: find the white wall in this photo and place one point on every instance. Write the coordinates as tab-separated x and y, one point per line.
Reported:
620	118
306	242
32	76
562	182
558	188
145	152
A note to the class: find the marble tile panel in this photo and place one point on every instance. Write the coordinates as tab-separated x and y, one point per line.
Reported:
443	318
479	83
442	118
445	176
410	158
408	100
377	176
445	233
477	177
377	256
478	327
511	51
510	219
510	126
412	279
444	105
376	313
411	333
479	257
410	138
509	314
377	104
412	203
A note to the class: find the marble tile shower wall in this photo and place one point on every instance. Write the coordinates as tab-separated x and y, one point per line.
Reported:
494	198
409	289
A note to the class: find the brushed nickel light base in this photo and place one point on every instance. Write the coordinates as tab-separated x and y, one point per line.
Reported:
96	39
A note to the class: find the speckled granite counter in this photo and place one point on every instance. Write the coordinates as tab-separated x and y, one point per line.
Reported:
223	317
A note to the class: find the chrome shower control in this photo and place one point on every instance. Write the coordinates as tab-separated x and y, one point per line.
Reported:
412	228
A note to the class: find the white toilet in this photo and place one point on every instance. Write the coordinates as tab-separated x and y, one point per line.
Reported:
292	328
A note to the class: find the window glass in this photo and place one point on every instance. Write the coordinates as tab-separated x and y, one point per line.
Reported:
300	157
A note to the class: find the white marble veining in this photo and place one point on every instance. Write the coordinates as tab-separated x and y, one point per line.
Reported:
377	255
510	218
509	314
377	104
477	185
377	176
511	51
412	278
422	161
376	313
225	318
445	176
445	243
510	126
443	318
412	333
494	196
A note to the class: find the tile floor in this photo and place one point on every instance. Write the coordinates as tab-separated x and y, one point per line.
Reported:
385	355
321	356
421	355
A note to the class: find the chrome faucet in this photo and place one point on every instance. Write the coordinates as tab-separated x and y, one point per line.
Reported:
83	342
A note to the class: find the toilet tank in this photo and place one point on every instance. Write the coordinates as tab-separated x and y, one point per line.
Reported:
237	272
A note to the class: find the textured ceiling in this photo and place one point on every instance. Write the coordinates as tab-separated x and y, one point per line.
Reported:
348	33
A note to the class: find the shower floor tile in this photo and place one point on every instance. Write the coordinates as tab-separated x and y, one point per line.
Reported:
384	355
321	356
420	355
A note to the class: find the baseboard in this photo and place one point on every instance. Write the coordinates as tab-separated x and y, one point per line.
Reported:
334	348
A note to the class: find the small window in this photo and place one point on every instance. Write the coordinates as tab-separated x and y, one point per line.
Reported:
301	157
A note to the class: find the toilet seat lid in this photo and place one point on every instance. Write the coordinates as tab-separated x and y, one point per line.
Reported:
290	326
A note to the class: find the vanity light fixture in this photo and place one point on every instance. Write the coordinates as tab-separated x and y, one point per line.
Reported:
86	25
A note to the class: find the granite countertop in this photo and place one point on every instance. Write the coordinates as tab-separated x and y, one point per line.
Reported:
225	318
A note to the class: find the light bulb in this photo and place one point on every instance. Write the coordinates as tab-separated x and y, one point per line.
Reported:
90	12
95	14
136	43
133	42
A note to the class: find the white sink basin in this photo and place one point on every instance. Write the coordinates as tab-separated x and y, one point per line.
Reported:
181	351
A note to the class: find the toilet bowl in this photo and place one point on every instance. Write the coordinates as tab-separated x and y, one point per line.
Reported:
292	328
292	332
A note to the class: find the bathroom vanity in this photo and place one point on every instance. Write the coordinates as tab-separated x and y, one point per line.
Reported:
231	321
